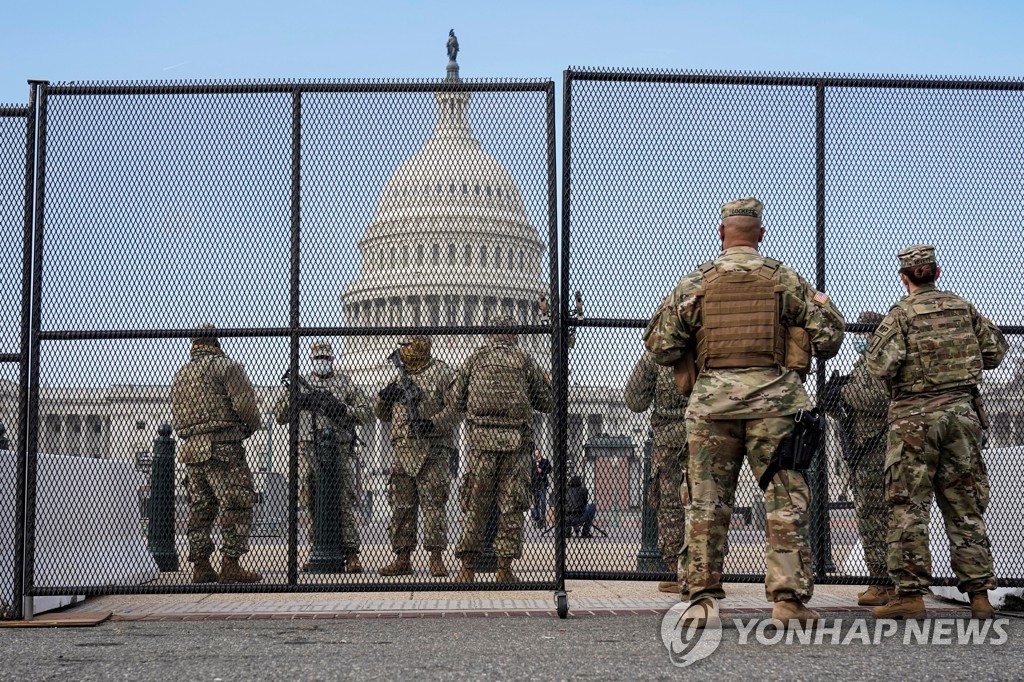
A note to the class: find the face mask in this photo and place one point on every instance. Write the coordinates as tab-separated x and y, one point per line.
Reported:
860	344
323	366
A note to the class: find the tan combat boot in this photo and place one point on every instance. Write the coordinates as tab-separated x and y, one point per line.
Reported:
504	573
232	572
789	610
352	564
701	613
902	607
876	595
202	572
980	606
400	566
437	567
467	573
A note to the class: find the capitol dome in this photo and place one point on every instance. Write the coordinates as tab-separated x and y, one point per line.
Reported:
450	244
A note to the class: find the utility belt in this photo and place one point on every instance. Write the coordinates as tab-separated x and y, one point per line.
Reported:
796	451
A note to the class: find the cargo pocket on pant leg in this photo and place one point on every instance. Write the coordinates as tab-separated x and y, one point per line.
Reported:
896	491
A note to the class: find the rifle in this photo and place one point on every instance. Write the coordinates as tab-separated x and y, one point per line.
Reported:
410	395
324	404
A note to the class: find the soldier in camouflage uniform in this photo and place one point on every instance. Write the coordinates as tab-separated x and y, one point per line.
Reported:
213	409
324	378
498	388
932	348
867	399
753	324
649	383
420	474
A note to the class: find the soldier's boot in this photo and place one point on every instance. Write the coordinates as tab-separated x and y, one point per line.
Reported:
876	595
232	572
202	572
902	607
793	609
504	573
980	606
437	567
467	573
352	564
669	586
701	613
400	566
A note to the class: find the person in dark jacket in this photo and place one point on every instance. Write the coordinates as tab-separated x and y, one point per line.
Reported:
579	512
539	483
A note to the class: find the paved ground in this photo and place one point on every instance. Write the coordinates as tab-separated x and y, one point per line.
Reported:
583	647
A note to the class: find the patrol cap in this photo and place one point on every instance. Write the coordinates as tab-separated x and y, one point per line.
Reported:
744	206
410	339
918	254
206	340
321	349
870	317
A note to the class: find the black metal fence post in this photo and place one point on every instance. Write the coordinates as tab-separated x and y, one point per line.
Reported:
327	556
820	522
648	559
161	501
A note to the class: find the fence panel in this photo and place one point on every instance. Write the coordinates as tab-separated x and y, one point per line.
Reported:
301	220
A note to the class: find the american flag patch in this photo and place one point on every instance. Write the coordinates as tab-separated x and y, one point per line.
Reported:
821	298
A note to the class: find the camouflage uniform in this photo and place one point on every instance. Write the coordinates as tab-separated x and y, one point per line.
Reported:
342	388
498	388
213	409
739	410
650	382
868	399
932	347
420	475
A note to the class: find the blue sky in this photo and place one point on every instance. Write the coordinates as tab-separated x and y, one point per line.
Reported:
214	40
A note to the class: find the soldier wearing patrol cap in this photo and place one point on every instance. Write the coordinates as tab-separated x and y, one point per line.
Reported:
322	377
498	387
752	324
420	477
213	410
932	348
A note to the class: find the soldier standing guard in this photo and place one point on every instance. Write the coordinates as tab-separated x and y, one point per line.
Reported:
932	348
213	409
753	324
354	409
649	383
420	474
498	387
867	398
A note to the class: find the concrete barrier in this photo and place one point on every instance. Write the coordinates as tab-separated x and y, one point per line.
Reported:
88	527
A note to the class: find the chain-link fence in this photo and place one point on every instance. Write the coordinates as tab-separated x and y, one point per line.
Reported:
313	225
850	171
16	135
320	227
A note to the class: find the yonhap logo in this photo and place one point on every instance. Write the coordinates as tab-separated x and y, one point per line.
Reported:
687	644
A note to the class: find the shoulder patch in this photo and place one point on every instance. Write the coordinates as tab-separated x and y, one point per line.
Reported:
821	298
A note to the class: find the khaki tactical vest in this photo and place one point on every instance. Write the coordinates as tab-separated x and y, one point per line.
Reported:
942	350
498	390
740	324
198	403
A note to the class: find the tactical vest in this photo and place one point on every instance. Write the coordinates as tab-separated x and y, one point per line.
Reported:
942	350
198	403
740	325
498	390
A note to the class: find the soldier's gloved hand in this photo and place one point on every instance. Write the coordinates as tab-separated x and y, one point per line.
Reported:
390	393
421	428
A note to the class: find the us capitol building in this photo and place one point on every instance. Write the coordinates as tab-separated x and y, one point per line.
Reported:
450	244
